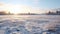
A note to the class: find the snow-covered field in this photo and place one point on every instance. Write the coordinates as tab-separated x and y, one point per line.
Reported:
29	24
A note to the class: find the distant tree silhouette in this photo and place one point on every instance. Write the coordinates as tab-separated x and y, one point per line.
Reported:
3	13
58	12
54	13
49	12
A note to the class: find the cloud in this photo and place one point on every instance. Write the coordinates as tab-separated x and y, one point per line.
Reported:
14	8
20	8
1	3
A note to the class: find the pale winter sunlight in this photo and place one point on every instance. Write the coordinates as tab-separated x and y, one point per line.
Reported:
20	8
29	16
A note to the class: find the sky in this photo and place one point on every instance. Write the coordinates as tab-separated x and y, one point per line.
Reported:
25	6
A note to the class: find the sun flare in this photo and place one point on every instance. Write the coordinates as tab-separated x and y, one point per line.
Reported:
18	9
15	9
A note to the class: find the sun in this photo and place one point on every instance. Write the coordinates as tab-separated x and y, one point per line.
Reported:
15	10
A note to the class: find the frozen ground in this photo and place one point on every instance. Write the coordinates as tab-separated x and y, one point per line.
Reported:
29	24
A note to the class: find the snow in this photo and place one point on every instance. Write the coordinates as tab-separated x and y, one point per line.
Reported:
29	25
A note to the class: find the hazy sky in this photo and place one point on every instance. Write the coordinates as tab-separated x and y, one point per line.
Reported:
28	5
